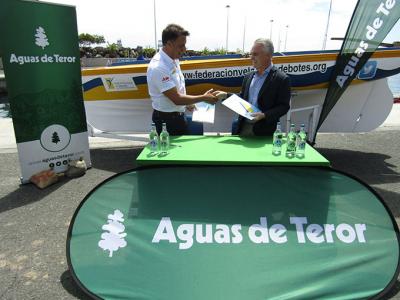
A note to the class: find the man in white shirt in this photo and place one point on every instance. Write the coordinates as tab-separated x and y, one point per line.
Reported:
166	83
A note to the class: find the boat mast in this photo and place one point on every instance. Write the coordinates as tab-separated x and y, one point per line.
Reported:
327	26
244	33
227	28
155	27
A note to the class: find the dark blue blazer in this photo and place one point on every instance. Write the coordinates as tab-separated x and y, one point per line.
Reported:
273	100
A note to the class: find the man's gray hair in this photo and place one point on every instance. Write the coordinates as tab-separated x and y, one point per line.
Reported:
267	45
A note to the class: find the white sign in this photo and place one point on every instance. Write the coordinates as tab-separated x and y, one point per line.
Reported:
119	82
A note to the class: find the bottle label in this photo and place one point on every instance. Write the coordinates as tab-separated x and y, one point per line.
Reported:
291	146
277	142
153	145
164	145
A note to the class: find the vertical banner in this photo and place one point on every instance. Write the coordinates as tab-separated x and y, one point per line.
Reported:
371	22
39	47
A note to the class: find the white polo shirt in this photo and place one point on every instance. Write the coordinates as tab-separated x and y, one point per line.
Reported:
164	73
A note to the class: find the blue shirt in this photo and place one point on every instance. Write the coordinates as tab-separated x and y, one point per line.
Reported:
256	84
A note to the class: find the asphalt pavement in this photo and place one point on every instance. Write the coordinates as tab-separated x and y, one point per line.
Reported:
34	223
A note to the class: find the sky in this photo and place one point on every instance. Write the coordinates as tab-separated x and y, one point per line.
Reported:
296	26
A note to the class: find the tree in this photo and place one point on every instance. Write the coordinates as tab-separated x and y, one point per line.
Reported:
55	138
86	39
205	51
41	38
219	51
149	51
112	49
114	238
98	39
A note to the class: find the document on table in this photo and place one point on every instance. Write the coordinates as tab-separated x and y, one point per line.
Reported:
204	112
240	106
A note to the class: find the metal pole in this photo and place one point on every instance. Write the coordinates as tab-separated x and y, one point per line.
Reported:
270	31
287	29
155	27
279	39
227	28
327	26
244	34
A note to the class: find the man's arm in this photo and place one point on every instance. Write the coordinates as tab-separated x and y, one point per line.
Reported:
183	99
223	95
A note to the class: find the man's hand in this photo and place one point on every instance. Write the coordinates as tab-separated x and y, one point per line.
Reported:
191	107
209	97
221	95
258	116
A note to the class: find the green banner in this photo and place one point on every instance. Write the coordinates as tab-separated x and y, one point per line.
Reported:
372	20
233	232
39	47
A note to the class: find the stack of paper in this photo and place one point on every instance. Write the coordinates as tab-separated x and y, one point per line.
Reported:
204	112
240	106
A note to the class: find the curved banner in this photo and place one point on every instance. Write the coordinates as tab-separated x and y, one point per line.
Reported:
233	232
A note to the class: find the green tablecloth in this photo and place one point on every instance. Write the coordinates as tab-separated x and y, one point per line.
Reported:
228	150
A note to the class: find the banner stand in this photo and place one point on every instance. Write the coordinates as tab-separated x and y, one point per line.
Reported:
40	52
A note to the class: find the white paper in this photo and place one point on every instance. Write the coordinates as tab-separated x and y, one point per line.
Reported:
204	112
240	106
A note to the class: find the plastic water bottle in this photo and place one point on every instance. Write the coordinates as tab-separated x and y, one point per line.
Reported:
291	142
277	140
301	142
164	139
153	136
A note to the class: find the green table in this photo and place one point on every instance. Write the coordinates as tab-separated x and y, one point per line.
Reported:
227	150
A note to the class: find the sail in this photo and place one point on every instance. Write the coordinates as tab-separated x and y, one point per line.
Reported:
371	22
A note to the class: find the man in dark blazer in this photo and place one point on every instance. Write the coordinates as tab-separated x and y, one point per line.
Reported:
267	88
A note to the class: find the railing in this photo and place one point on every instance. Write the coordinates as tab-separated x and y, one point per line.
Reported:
312	119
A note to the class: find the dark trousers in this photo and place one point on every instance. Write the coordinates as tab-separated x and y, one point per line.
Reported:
176	122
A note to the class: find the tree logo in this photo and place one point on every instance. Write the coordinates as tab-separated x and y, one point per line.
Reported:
41	38
114	238
55	138
110	83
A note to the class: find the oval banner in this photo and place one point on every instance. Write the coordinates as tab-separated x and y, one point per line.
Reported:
233	232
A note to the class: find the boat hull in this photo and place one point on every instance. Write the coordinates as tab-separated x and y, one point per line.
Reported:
117	100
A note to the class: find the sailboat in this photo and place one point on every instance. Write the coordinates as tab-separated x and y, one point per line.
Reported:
117	100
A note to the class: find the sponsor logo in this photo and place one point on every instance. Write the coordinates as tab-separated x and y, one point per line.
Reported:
109	82
369	70
41	41
185	235
165	79
55	138
116	83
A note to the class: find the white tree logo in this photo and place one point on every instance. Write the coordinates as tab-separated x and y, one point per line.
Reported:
114	238
41	38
